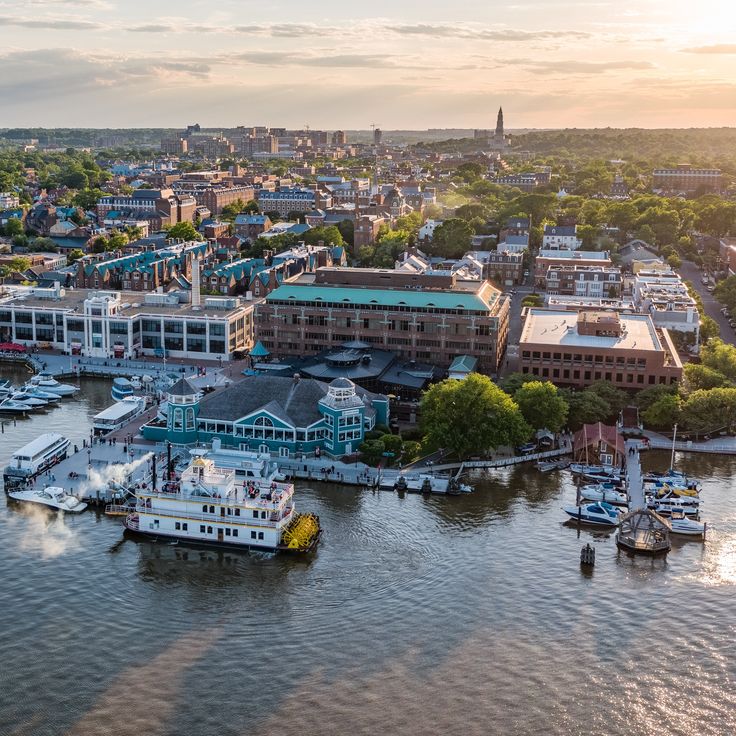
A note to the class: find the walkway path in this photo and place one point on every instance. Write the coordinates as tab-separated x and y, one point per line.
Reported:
634	479
719	445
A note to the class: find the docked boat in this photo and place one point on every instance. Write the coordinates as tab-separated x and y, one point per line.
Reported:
683	495
135	383
118	414
51	497
427	483
544	466
668	506
682	524
46	382
26	398
37	392
585	469
36	457
11	406
208	506
121	388
599	513
602	492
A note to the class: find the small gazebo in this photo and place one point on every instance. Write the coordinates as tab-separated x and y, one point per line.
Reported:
644	532
259	352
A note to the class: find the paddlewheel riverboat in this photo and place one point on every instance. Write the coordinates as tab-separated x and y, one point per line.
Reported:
209	505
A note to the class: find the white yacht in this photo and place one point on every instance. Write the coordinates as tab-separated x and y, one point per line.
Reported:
32	401
208	506
52	497
46	382
30	390
119	414
11	406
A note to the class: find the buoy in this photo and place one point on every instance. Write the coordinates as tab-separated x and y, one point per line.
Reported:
587	555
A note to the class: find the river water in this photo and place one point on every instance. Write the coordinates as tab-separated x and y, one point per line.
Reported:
465	615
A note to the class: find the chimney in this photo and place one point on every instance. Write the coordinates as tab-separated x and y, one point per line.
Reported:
196	295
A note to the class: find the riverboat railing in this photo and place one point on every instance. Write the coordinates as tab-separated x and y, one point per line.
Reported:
213	519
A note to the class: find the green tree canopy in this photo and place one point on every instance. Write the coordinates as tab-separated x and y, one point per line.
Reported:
541	405
471	416
74	255
451	239
585	407
705	411
184	231
330	235
664	413
14	227
698	376
721	357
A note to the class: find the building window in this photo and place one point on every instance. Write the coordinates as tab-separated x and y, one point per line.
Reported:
185	527
237	512
227	531
260	535
204	508
201	528
253	535
177	525
235	532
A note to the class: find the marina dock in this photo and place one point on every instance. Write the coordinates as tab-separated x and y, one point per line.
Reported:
634	477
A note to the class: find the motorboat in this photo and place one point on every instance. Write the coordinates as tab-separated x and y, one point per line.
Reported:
682	524
668	475
666	508
39	393
135	383
605	470
26	398
599	513
11	406
601	492
47	382
670	492
673	497
51	496
613	480
688	488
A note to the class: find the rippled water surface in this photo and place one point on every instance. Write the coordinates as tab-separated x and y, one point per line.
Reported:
416	616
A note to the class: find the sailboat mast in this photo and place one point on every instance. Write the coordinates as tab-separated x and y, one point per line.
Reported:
672	458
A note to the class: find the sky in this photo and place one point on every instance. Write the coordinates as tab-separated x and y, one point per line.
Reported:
400	64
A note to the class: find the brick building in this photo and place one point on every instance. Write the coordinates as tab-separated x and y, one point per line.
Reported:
576	280
426	317
577	349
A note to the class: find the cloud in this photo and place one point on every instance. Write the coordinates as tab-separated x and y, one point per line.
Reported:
718	48
292	58
60	24
479	33
577	67
152	28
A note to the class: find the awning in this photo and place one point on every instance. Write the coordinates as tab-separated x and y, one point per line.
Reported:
12	347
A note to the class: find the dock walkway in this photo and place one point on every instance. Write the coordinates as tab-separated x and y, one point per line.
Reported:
634	478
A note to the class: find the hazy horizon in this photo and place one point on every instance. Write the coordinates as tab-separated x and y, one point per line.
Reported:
552	64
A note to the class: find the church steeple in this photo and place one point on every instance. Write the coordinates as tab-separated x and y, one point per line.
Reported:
499	123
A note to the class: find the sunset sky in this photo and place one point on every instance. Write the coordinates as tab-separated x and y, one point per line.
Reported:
551	63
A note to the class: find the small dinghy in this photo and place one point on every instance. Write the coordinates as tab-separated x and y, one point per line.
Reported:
599	513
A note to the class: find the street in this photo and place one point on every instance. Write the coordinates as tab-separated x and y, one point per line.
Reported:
690	272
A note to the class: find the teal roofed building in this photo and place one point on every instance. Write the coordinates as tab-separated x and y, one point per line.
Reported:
281	415
432	317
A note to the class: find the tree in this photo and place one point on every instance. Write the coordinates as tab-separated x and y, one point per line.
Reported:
347	230
471	416
721	357
13	227
708	328
232	210
648	396
20	263
329	235
725	291
586	407
74	255
514	381
451	239
705	411
183	231
251	208
532	300
541	405
614	397
471	211
664	413
87	198
699	376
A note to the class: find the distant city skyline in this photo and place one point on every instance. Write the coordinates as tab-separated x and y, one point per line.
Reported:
550	63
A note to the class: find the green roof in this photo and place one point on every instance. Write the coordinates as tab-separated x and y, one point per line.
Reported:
470	301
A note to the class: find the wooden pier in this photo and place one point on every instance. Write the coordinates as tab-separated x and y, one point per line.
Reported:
634	477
